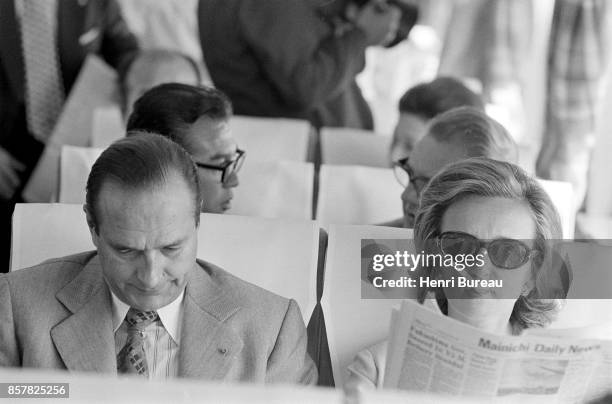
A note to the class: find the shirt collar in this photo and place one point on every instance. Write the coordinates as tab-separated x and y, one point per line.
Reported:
170	315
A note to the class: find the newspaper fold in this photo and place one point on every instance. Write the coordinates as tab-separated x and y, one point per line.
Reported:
434	353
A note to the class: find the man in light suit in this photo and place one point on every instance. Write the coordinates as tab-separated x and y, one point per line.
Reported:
142	303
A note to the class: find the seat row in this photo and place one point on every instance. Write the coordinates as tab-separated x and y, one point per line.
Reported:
346	194
320	269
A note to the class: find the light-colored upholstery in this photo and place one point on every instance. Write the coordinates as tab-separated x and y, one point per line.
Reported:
75	165
358	195
272	139
589	303
562	196
92	387
279	255
352	323
280	189
346	146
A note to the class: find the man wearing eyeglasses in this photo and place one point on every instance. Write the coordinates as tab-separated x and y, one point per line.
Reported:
452	136
197	118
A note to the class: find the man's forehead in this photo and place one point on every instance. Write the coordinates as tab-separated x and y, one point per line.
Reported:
209	138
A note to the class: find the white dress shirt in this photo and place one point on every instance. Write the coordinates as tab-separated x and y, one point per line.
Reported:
161	338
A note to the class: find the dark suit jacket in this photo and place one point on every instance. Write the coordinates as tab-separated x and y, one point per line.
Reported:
90	26
58	315
280	58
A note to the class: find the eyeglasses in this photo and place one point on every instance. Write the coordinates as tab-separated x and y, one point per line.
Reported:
228	168
405	175
504	253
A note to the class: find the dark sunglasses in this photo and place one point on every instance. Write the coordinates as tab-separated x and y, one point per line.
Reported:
228	168
404	174
504	253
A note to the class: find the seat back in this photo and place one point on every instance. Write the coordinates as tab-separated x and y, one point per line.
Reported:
46	230
347	146
352	323
358	195
93	387
272	139
107	126
278	255
562	195
75	165
274	189
589	303
280	189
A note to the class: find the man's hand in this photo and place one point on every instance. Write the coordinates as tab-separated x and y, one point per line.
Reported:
9	174
377	19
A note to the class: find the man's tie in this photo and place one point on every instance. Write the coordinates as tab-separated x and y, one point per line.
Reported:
131	358
43	82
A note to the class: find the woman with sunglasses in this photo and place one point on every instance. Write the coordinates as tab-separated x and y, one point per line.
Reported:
493	209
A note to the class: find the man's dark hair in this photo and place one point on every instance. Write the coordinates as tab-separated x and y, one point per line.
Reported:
169	109
440	95
138	162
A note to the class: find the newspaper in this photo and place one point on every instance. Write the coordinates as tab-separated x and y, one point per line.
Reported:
434	353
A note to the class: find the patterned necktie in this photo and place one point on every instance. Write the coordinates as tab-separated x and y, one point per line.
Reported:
131	359
43	82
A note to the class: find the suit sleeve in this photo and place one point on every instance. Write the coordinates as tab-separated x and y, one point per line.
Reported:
289	362
306	63
9	353
119	45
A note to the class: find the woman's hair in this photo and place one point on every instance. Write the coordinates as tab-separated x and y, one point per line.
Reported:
488	178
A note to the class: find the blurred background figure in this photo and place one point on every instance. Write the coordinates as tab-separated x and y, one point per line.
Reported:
197	118
452	136
489	42
578	60
294	58
169	25
157	66
42	47
423	102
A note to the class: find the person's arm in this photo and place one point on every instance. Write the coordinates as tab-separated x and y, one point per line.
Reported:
10	171
9	354
119	45
301	57
367	370
289	362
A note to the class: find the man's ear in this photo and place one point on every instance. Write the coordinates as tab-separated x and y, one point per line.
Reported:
91	224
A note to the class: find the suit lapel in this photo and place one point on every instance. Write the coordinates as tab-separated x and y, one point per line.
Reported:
208	345
10	47
85	340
